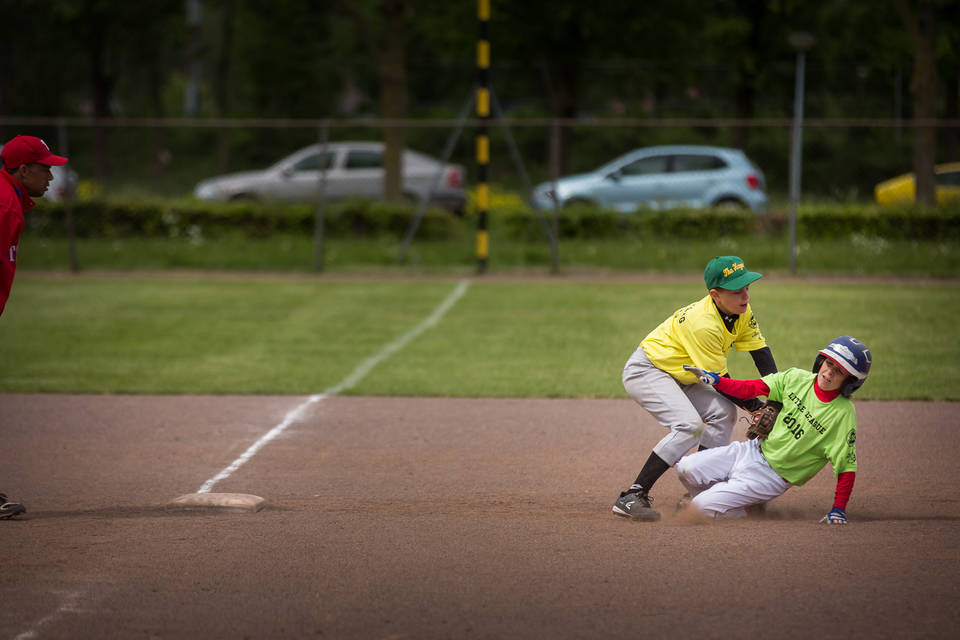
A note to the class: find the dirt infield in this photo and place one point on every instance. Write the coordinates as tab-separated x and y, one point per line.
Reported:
451	518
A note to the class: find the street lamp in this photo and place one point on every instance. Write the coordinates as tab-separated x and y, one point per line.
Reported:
801	43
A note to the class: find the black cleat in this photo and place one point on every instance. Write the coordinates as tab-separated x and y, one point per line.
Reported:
10	509
636	506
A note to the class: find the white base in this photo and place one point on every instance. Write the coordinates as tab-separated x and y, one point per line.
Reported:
220	501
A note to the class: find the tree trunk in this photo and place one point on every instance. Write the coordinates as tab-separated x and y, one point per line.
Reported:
952	135
102	88
561	87
221	80
745	91
161	156
919	21
745	97
393	97
191	104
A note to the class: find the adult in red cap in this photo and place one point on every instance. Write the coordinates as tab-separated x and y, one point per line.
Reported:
26	174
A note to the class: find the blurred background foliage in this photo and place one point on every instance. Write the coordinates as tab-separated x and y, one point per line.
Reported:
290	61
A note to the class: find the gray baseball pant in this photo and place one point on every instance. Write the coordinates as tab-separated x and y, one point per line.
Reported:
694	413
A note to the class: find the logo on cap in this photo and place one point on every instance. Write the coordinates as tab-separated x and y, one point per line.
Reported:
732	269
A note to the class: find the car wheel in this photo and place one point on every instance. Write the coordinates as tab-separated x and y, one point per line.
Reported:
730	204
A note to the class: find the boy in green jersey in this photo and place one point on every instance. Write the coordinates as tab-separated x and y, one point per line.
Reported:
818	424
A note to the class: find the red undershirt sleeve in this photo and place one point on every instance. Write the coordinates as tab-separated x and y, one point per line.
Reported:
743	388
845	482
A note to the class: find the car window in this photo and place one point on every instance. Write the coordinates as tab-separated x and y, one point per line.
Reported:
949	179
364	160
646	166
312	162
697	163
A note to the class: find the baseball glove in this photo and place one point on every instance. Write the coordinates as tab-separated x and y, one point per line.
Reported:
762	420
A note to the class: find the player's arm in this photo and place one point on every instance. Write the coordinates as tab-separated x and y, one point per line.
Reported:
838	515
707	353
740	389
763	359
745	389
8	224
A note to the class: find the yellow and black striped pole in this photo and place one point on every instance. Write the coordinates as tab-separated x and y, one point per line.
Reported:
483	139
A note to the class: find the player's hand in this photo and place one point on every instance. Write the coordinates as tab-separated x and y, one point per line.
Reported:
836	516
706	377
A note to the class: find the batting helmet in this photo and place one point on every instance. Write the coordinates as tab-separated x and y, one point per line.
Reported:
852	356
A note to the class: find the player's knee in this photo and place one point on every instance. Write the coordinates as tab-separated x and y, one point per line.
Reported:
725	416
690	429
703	504
719	429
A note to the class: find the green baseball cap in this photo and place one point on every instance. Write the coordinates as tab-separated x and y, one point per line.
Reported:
728	272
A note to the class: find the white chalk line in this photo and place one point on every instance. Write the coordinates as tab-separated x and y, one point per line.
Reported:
358	374
68	605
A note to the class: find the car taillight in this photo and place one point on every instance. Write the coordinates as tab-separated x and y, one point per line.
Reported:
454	178
753	181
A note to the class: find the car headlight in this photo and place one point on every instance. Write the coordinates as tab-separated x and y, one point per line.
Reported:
206	192
545	192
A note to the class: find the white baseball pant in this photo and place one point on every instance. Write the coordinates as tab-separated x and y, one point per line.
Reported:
725	481
694	413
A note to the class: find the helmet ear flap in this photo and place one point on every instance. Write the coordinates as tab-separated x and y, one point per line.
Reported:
851	385
818	362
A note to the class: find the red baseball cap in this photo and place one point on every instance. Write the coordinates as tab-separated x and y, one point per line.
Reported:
26	149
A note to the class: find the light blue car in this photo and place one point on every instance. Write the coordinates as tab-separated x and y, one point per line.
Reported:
667	177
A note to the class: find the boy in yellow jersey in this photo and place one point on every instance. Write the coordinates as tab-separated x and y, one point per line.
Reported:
701	333
818	424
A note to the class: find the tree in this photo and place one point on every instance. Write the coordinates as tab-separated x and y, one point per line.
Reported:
393	95
920	23
383	31
948	50
117	40
562	40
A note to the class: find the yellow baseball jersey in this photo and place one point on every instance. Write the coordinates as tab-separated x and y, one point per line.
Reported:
695	334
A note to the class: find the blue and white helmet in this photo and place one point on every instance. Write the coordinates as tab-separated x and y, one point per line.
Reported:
852	356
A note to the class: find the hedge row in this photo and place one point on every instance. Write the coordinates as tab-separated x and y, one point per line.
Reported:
813	221
121	218
118	218
586	222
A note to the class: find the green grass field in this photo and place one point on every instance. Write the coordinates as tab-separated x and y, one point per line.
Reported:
537	338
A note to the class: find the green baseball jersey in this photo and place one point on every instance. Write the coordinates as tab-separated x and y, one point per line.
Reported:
695	334
808	433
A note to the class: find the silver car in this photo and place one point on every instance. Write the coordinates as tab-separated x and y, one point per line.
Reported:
353	170
665	177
